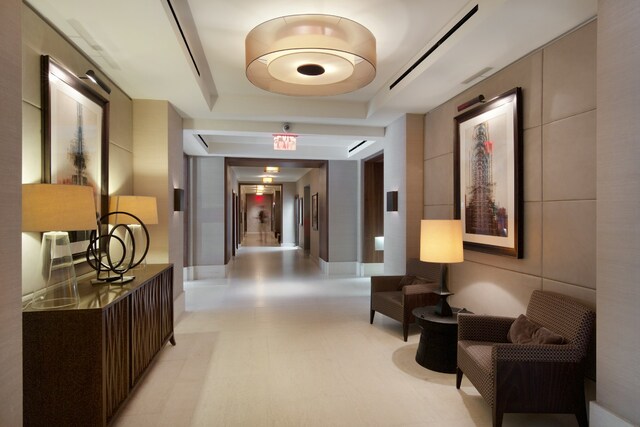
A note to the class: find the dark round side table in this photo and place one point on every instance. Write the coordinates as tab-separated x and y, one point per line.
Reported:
437	349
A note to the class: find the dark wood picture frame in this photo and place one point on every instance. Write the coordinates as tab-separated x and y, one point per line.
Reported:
314	212
488	175
75	125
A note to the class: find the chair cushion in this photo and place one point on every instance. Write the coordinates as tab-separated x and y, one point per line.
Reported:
474	359
388	303
524	331
406	280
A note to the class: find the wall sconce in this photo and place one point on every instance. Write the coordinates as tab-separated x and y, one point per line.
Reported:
392	201
91	75
178	199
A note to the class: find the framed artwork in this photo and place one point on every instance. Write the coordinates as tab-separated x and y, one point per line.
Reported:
488	175
75	122
314	211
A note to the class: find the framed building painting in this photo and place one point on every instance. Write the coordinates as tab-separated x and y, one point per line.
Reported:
75	122
488	175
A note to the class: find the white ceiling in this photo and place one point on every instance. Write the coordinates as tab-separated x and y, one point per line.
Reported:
137	45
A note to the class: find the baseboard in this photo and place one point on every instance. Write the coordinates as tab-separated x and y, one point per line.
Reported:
599	416
338	268
200	272
179	305
288	245
368	269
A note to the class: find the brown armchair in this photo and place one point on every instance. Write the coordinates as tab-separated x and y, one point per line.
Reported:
391	299
530	378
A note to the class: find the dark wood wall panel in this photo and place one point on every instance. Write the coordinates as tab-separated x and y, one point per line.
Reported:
373	209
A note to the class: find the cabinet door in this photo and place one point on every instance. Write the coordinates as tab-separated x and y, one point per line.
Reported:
145	327
116	324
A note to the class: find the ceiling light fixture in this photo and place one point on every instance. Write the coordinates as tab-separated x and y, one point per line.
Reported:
272	169
310	55
267	180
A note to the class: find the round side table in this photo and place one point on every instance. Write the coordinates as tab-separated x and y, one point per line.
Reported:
437	349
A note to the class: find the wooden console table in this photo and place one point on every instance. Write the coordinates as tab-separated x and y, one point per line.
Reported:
80	364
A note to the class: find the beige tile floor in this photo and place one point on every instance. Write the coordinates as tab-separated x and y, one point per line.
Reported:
276	343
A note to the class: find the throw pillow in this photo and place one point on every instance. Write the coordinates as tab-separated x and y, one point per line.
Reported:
524	331
521	330
546	336
406	280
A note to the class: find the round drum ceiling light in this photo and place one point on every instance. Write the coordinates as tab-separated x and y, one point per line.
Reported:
310	55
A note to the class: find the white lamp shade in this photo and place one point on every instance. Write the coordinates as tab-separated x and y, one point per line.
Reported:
57	207
144	207
441	241
310	55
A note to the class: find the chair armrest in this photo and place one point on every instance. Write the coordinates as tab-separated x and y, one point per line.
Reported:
385	283
564	353
477	327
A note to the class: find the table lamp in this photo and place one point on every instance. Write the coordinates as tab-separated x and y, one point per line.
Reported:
441	242
143	207
56	209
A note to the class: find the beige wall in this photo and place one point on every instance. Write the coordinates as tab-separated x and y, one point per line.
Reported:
618	154
403	153
559	115
38	38
157	165
10	194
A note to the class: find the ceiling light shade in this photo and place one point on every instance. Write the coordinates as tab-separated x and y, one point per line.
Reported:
285	141
272	169
310	55
267	180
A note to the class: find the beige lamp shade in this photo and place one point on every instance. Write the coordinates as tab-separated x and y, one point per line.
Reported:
441	241
309	55
57	207
144	207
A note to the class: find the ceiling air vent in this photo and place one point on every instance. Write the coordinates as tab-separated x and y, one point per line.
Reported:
449	33
203	141
184	38
358	146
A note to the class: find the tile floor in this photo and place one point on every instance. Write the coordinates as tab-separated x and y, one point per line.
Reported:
276	343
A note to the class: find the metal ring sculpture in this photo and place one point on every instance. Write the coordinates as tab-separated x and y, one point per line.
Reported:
100	244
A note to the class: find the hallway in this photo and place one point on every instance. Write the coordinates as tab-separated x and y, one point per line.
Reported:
277	343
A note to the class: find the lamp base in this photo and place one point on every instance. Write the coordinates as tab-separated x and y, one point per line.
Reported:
115	280
442	307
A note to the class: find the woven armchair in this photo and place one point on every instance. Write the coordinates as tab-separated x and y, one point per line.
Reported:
529	378
388	299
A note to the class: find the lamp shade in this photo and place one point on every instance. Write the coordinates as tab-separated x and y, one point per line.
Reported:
441	241
310	55
57	207
144	207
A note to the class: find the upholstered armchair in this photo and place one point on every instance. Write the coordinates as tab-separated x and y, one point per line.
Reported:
397	296
529	377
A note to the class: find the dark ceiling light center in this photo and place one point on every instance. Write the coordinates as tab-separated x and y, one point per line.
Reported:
311	69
